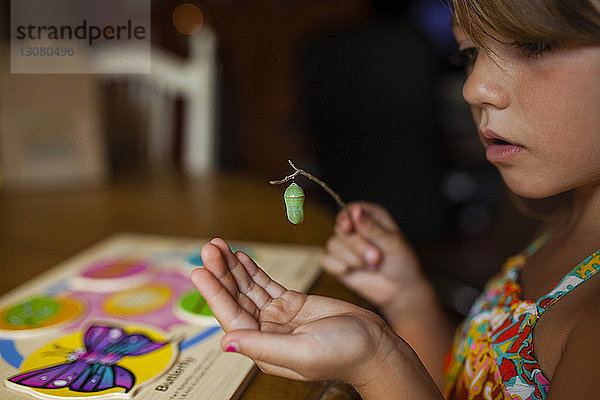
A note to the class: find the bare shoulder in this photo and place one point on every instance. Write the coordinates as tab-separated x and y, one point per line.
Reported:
578	368
586	324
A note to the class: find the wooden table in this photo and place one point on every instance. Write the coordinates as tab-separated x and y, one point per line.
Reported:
39	230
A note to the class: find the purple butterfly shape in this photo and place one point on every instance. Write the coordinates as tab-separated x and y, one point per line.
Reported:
94	367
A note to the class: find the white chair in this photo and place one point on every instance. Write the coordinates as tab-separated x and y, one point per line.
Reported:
192	79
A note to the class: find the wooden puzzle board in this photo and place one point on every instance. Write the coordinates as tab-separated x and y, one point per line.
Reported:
134	284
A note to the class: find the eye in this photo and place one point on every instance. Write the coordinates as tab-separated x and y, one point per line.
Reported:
532	49
465	58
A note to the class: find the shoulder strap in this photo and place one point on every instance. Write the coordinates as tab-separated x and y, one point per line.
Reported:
538	243
581	273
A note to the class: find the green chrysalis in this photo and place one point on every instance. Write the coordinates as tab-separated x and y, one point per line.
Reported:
294	203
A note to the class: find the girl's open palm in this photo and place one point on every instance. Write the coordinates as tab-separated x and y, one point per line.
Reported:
288	333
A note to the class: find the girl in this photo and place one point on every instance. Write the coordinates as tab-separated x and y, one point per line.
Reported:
533	86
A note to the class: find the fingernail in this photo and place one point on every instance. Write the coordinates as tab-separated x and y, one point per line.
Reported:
233	348
192	273
371	267
371	256
359	214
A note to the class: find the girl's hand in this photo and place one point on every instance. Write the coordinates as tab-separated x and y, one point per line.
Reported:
287	333
369	254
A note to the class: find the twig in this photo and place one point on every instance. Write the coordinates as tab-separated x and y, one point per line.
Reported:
298	171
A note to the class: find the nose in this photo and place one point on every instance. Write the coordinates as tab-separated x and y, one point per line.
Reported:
486	84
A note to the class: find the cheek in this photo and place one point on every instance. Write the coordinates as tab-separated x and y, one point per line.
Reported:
563	106
562	119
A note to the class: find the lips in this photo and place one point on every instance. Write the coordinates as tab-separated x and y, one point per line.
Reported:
499	149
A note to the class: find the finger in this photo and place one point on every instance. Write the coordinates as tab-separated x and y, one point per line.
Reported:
230	314
343	223
333	265
367	226
342	249
247	287
237	270
249	294
243	280
370	254
259	276
356	251
380	215
214	260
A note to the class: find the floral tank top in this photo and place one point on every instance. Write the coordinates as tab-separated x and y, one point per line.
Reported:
492	356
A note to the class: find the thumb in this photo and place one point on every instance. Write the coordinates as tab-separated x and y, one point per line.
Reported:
281	352
274	348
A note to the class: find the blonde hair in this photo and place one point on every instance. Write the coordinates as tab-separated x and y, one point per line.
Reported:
556	22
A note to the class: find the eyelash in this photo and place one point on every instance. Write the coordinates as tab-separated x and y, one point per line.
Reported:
532	49
466	58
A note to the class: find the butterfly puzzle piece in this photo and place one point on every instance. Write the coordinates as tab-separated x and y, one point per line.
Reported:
94	367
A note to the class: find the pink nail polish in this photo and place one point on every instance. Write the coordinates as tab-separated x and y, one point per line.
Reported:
232	348
361	214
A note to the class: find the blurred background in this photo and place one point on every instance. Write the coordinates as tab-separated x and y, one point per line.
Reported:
359	92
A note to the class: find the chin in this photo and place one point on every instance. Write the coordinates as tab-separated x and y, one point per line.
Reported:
530	189
532	194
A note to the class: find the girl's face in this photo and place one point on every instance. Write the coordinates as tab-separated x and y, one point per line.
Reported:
537	112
